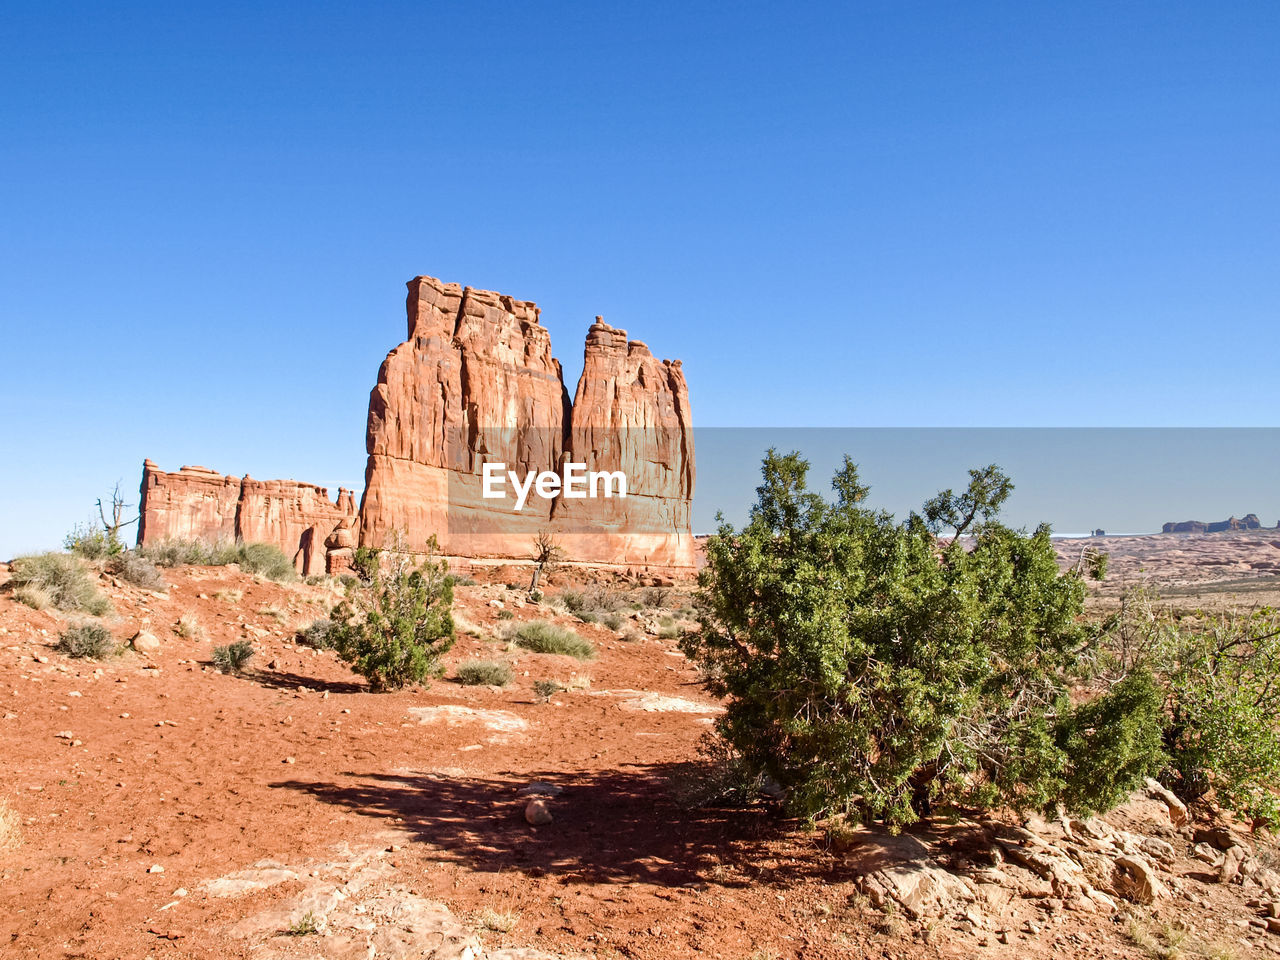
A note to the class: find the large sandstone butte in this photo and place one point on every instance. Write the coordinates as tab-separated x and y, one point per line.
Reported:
475	382
197	503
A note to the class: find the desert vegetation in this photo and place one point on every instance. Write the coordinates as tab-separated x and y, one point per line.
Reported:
59	580
395	633
87	641
484	673
886	670
261	558
232	658
540	636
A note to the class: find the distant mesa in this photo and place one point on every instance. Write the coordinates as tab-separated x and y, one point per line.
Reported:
475	382
1099	532
1248	522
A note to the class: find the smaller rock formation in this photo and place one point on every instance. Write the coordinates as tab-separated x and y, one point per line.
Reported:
197	503
339	548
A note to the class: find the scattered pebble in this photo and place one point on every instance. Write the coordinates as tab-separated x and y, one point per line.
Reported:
155	868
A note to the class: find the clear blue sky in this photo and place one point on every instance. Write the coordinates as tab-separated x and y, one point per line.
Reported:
875	213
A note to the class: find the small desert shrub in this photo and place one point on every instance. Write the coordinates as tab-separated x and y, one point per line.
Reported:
613	621
667	629
477	673
87	641
497	921
268	560
37	598
230	596
657	597
461	580
64	578
92	542
631	634
304	926
133	567
1218	684
364	563
395	634
318	635
176	552
233	657
275	613
189	627
506	615
572	600
588	616
263	558
465	626
546	689
542	637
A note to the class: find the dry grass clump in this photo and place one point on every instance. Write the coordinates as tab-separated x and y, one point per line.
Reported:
87	641
275	613
465	626
540	636
497	921
232	658
230	596
261	558
37	598
484	673
64	579
189	627
132	567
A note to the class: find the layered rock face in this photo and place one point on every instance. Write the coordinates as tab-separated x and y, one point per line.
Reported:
197	503
475	383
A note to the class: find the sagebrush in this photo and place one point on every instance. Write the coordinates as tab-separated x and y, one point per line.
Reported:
484	673
63	579
88	641
132	567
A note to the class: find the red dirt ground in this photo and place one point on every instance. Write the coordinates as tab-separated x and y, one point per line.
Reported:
168	763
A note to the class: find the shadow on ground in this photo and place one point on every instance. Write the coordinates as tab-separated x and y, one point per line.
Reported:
610	826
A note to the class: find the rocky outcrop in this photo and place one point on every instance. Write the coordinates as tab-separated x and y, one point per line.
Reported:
197	503
1248	522
475	383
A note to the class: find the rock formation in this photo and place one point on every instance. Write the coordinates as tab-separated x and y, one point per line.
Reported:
197	503
475	382
1249	522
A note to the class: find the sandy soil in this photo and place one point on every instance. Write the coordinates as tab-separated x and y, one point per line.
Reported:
166	810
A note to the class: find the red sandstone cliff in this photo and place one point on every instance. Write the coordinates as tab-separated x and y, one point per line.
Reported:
474	382
197	503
